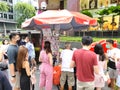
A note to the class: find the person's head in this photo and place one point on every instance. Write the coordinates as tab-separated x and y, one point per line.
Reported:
109	43
5	42
67	45
87	40
47	47
98	49
23	38
14	37
21	57
27	39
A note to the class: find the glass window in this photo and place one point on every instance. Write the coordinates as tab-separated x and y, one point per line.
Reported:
1	15
10	9
11	1
4	0
10	16
5	16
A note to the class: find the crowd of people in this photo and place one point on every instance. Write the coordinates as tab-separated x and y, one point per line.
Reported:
82	68
17	61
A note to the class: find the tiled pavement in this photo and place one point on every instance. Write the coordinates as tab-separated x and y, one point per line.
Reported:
54	87
37	84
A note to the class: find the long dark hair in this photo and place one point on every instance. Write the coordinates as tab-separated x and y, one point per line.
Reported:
22	52
47	47
98	49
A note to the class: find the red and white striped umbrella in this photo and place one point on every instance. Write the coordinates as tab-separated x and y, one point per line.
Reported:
66	19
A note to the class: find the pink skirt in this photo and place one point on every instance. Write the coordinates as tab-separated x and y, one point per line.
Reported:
99	81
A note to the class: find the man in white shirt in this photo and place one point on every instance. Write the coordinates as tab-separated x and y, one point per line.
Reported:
112	53
67	72
31	50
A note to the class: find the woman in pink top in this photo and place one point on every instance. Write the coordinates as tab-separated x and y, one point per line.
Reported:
102	65
46	68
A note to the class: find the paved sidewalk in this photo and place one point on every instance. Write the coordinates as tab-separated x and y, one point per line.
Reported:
55	87
37	84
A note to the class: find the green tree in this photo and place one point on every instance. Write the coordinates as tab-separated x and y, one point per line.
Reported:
113	10
116	11
86	12
100	19
23	11
4	7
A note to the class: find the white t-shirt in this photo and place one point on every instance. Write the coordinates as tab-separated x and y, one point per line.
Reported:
115	52
4	48
66	56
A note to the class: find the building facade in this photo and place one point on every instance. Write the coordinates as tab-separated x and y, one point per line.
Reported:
51	5
7	21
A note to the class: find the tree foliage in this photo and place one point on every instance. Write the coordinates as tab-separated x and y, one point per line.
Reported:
86	12
23	11
110	10
4	7
113	10
100	20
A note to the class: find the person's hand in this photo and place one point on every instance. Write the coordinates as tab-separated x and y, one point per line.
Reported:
34	68
33	62
13	79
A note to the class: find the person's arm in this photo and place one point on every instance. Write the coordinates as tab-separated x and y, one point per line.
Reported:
11	54
33	51
72	64
33	56
105	65
96	70
61	55
95	64
50	58
12	69
33	62
1	55
40	56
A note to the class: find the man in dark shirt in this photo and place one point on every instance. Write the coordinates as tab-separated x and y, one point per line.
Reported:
4	82
12	57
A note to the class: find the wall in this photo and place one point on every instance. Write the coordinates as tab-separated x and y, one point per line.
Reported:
73	5
52	4
55	4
